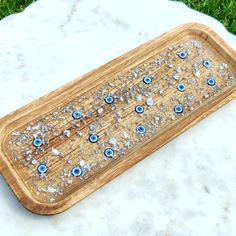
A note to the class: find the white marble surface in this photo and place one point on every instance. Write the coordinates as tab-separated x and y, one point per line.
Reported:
187	188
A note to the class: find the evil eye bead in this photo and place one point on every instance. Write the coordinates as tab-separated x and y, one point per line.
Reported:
93	138
181	87
109	153
178	109
38	142
139	109
211	82
147	79
109	99
140	129
182	55
77	115
206	63
42	169
76	171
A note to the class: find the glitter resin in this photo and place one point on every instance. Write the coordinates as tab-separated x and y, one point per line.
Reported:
59	151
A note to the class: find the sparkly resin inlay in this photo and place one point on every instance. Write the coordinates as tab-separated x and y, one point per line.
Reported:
59	151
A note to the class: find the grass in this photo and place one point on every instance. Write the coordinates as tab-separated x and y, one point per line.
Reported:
222	10
8	7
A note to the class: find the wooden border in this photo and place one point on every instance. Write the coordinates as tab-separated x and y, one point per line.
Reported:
8	122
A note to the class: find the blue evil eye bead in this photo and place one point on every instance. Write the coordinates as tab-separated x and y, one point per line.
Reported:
77	115
42	169
109	99
139	109
181	87
147	79
93	138
206	63
178	109
140	129
211	82
38	142
76	171
109	153
182	55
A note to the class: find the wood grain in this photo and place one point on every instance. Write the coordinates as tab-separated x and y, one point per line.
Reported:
158	58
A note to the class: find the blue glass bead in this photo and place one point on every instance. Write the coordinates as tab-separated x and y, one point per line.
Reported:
77	115
206	63
147	79
109	99
182	55
181	87
178	109
38	142
109	153
139	109
93	138
76	171
211	82
42	169
140	129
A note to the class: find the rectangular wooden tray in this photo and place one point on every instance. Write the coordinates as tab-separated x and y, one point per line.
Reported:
60	148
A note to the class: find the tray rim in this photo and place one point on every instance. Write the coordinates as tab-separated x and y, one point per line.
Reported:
16	183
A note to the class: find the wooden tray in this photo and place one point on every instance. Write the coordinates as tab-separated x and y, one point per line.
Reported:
63	146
